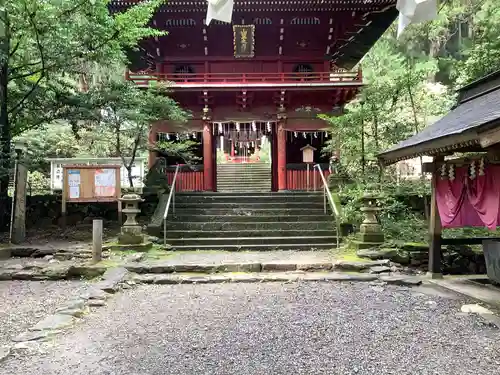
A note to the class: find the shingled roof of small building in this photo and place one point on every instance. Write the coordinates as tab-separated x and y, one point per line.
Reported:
477	110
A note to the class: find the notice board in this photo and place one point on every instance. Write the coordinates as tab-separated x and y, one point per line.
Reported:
91	183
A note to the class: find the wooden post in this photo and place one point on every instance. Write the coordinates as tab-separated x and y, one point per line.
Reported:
64	198
96	240
435	229
281	146
207	158
118	178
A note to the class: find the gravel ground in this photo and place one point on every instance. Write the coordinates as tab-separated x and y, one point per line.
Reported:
24	303
272	328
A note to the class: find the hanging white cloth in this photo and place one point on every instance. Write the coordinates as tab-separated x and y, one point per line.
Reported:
415	11
220	10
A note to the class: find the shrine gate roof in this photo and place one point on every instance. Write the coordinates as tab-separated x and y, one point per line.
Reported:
338	30
472	125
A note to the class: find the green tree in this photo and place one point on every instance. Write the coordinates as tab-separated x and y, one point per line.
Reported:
121	113
45	46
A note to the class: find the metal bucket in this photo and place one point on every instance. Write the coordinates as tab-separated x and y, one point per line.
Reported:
491	251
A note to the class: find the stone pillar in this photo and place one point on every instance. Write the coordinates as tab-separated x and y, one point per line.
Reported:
207	158
435	229
19	217
281	146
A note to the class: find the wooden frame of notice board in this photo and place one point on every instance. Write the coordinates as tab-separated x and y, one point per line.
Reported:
89	184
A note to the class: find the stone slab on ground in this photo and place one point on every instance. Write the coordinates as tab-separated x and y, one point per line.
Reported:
4	352
357	266
54	322
31	336
180	278
466	286
401	280
112	279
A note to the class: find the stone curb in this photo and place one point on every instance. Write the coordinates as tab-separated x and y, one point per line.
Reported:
72	271
180	278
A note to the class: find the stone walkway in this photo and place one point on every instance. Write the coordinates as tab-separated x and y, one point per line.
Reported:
221	257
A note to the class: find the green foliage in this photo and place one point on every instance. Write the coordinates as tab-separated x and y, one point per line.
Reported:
52	43
185	149
399	221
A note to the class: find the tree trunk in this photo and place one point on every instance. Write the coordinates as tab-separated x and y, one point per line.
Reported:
129	174
5	131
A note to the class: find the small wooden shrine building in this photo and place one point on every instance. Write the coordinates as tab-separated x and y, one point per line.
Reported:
465	146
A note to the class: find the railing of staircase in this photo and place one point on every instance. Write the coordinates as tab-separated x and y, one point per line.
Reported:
171	199
333	205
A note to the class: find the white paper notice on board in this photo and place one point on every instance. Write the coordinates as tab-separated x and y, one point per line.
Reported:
73	178
74	192
105	182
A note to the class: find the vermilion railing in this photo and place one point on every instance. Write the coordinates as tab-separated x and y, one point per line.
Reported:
144	78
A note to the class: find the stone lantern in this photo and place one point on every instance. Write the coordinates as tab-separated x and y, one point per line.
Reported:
370	232
131	233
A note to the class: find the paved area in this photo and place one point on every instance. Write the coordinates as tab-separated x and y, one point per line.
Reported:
216	257
272	328
23	303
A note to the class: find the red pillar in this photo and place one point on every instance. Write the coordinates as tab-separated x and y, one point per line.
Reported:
207	158
151	142
281	146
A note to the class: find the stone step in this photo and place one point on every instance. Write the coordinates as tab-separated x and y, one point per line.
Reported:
190	234
240	218
264	194
243	198
244	190
252	225
243	241
258	247
318	204
256	213
237	180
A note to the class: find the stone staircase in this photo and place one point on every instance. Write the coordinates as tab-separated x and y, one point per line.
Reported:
244	177
249	221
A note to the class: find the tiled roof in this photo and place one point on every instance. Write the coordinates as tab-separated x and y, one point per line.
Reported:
478	110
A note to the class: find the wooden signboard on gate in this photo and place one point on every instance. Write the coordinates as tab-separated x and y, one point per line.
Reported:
91	183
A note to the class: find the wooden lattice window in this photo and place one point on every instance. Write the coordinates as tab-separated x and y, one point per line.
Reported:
305	21
262	21
180	22
303	71
183	72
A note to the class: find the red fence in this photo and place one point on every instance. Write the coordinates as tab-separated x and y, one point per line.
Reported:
187	181
143	78
297	180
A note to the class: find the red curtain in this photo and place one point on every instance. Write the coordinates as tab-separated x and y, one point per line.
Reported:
466	202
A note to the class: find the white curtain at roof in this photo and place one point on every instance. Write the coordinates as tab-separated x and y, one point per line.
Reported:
415	11
220	10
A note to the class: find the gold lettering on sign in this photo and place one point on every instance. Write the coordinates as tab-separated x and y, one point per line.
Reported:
244	40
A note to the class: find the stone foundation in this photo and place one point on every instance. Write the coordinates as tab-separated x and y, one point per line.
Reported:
455	259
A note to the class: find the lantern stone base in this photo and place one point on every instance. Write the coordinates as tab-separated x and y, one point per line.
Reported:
361	245
131	235
371	237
